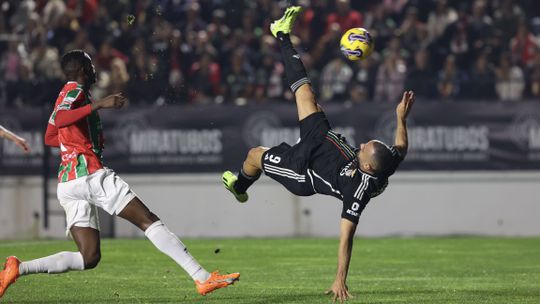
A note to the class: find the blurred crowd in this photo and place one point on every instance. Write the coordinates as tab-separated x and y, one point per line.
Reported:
221	51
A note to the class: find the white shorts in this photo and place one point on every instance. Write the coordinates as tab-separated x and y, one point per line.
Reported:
81	197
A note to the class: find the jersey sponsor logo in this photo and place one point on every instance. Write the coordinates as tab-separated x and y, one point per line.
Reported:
353	213
348	171
354	209
69	156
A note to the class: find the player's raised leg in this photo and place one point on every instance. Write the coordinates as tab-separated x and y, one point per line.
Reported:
167	242
305	101
294	68
249	174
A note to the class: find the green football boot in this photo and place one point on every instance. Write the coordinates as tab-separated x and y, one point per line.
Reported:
229	179
286	23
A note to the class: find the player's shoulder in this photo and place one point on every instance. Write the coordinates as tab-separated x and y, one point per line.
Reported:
395	152
360	183
72	85
71	92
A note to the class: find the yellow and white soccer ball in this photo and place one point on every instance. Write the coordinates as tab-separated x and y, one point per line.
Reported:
357	44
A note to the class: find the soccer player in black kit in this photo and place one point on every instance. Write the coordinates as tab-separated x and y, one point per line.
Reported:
322	161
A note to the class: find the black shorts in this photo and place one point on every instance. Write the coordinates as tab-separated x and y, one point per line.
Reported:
288	164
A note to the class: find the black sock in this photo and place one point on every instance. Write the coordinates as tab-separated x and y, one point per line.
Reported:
294	68
244	181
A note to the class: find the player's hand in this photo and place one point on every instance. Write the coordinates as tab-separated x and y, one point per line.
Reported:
405	106
21	142
340	291
112	101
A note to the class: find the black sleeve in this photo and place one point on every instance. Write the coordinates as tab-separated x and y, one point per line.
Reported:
353	206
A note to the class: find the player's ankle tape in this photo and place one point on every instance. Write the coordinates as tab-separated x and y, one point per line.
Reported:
249	176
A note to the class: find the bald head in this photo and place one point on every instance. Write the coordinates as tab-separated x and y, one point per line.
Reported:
375	158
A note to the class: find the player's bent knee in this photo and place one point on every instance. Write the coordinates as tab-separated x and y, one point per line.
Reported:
91	260
252	154
255	155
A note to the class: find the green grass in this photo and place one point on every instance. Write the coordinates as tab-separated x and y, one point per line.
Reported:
389	270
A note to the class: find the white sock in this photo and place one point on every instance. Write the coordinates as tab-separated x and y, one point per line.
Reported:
56	263
171	245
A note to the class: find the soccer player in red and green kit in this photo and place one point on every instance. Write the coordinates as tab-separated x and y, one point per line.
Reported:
85	184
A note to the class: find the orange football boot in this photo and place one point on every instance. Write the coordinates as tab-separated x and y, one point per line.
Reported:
10	274
216	281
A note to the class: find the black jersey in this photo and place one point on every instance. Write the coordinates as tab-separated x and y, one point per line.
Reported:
323	162
334	171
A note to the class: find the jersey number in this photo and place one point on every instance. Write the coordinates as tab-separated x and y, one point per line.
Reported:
274	159
355	206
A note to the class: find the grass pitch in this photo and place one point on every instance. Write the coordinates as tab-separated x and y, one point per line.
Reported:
389	270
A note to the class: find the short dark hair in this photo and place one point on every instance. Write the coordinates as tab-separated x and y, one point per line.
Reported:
73	61
381	159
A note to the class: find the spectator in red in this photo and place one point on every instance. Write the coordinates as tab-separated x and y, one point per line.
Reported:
344	16
84	10
523	45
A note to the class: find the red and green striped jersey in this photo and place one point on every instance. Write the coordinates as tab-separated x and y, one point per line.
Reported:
81	143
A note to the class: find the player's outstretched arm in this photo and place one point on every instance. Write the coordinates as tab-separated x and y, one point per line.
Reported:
339	288
112	101
402	111
69	116
21	142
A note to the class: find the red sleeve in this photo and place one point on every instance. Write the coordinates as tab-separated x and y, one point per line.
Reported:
51	136
65	118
